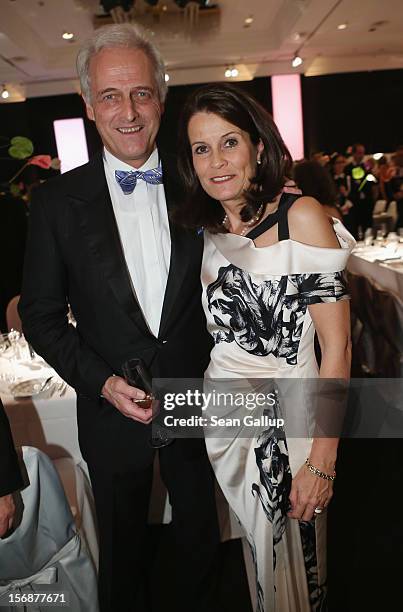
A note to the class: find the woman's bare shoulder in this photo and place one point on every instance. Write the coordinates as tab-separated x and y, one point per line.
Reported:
309	223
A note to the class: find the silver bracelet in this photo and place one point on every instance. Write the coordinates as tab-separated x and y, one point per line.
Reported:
319	473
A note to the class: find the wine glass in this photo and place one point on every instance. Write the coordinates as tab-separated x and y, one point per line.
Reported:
392	242
368	237
137	375
4	343
380	234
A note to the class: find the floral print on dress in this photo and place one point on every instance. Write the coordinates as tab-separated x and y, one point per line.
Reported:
266	317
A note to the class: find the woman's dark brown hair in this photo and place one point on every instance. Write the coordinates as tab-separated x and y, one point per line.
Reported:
240	109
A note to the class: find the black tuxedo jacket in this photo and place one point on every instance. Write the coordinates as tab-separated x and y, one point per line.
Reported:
10	475
74	256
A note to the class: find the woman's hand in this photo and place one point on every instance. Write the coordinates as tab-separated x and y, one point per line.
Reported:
307	493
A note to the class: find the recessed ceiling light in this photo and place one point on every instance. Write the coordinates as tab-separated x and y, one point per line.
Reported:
228	73
5	93
297	61
234	72
248	21
67	35
342	26
166	77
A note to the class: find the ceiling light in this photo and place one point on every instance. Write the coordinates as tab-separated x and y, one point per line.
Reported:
166	77
67	35
342	26
377	156
248	21
5	93
234	72
297	61
228	73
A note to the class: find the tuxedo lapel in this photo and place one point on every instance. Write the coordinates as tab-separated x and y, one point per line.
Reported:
93	207
179	261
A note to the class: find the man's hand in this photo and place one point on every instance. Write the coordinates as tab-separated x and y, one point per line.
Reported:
123	397
7	510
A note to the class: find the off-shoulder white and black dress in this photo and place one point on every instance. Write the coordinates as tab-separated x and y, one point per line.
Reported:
256	302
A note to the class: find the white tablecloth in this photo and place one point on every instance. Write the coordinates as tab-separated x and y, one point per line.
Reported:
387	275
48	422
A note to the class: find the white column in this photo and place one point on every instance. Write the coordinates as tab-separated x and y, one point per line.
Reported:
287	111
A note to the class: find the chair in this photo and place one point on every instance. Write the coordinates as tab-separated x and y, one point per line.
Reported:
45	553
12	316
392	211
388	310
380	206
377	329
363	326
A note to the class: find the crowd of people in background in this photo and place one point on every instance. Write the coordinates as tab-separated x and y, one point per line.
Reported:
347	184
350	187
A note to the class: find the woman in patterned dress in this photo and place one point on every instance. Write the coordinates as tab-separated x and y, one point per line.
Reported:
272	274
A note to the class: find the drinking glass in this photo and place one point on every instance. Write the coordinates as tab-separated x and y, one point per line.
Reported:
392	242
137	375
14	338
379	237
4	343
368	237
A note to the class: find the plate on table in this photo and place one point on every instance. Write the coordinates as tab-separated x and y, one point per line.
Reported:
29	388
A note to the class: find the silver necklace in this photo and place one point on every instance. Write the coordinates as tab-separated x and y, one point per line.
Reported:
246	224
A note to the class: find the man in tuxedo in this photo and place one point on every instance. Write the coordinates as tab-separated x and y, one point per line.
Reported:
10	475
102	241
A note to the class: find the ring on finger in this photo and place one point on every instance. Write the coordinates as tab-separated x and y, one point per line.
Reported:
318	510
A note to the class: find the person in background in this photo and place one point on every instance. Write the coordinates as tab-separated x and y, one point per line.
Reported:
10	475
342	183
394	187
384	173
361	192
101	240
320	157
314	180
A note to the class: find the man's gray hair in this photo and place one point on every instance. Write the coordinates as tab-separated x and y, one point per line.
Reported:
126	35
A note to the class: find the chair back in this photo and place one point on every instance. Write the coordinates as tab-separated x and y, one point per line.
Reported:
379	207
377	329
12	316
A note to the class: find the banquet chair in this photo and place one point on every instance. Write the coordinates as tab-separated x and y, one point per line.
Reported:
388	310
383	220
392	211
363	326
12	316
44	553
379	207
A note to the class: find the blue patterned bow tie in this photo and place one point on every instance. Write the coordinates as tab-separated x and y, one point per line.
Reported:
128	179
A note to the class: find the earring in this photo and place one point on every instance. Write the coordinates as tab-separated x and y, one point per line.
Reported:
259	161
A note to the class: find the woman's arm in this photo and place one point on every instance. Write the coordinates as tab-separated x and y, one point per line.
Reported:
332	324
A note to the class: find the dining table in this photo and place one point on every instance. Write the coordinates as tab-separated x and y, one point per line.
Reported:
41	409
382	263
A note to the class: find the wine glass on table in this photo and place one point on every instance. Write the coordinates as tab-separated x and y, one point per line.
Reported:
4	343
137	375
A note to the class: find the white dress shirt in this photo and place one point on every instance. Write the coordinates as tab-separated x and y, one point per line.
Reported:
142	220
